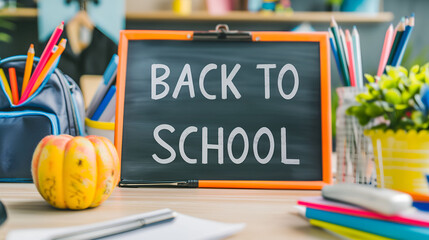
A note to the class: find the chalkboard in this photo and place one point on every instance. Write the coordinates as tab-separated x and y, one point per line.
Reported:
226	113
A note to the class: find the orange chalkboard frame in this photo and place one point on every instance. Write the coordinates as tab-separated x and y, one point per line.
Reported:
321	37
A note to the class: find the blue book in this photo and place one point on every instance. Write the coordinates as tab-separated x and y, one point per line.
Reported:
378	227
104	103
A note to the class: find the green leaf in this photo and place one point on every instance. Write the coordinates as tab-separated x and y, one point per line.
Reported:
417	117
364	120
424	67
401	106
393	72
369	78
364	97
414	69
405	96
414	88
393	96
403	70
388	84
373	110
375	93
352	110
386	107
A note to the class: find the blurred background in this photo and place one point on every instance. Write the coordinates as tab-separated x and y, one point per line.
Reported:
31	21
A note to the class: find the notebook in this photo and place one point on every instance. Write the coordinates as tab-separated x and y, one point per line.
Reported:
378	227
413	217
182	227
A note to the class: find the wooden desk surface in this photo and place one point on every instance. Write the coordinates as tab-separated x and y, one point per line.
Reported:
268	214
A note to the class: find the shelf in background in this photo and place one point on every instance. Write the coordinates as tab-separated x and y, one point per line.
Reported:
250	16
18	13
342	17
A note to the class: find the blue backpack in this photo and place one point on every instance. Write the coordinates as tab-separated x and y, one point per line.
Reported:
56	107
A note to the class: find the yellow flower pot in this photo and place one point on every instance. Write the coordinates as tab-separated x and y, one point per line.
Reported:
402	159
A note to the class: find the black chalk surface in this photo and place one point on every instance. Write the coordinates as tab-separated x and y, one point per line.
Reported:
202	129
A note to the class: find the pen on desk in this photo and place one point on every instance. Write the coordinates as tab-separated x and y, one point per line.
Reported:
112	229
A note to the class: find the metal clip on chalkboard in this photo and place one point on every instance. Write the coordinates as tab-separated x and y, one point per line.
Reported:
222	33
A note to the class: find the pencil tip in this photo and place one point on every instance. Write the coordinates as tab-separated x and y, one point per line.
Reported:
333	22
31	48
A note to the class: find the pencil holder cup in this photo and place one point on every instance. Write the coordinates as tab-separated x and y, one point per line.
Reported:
105	129
355	159
401	159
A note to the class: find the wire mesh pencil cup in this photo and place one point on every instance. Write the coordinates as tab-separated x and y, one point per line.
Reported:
355	158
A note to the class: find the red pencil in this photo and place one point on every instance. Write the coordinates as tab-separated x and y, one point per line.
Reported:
351	59
43	60
388	40
13	85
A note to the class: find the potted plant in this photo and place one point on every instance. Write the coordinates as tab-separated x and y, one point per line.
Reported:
397	104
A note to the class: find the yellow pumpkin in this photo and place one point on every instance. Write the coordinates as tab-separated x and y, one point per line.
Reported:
75	172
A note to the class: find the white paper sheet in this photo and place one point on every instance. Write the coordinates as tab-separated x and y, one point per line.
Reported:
182	227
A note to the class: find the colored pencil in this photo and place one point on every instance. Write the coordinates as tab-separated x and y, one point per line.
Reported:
357	57
28	68
341	56
344	47
386	50
13	85
5	84
402	45
43	59
399	32
349	45
335	53
49	64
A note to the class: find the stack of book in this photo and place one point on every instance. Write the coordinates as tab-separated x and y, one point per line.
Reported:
352	222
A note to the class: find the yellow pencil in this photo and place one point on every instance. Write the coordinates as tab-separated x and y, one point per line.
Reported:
49	64
5	84
28	68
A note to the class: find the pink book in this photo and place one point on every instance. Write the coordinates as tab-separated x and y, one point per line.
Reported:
411	217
